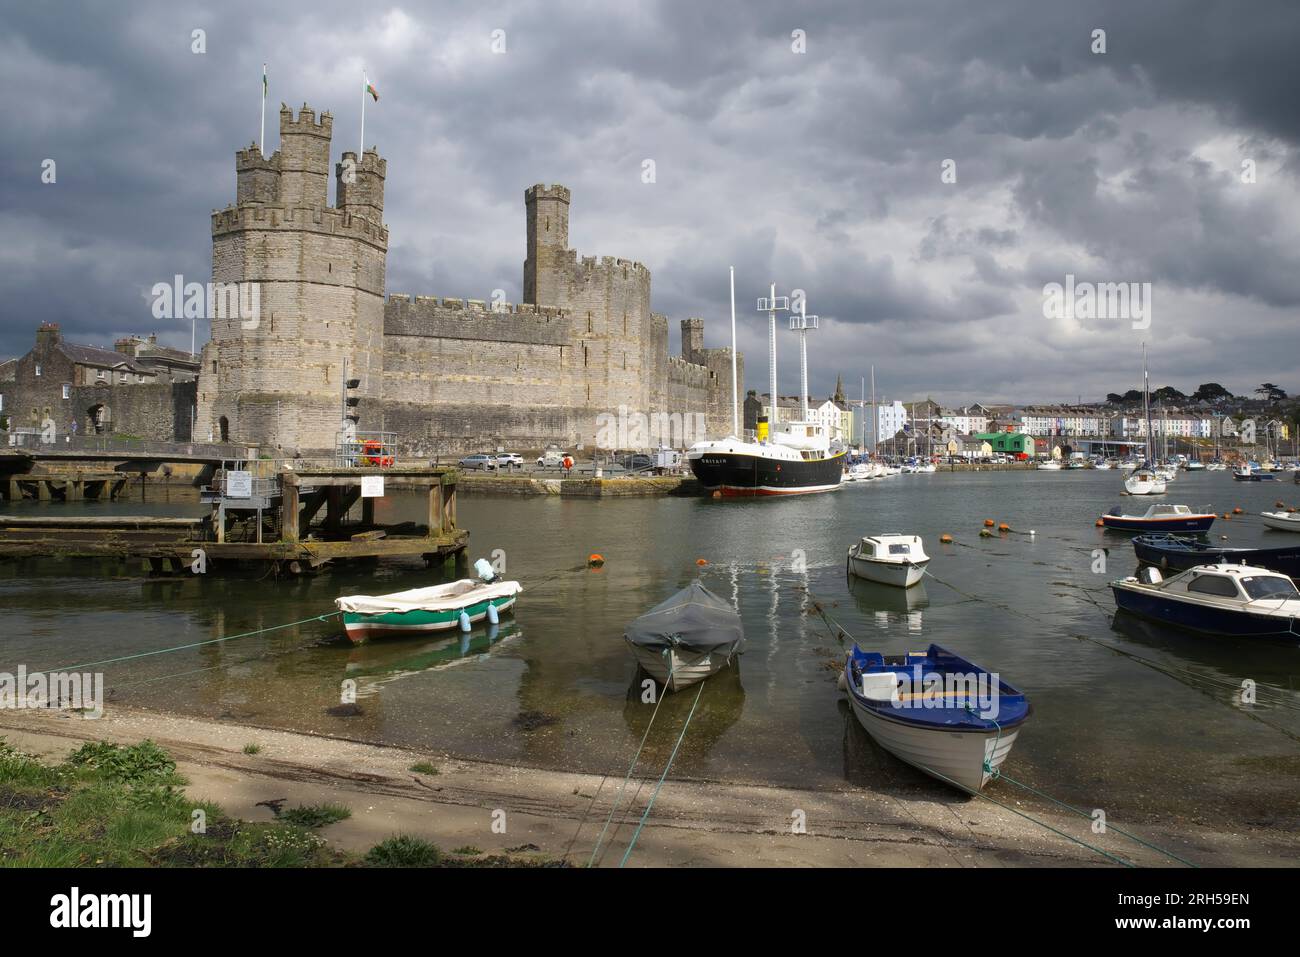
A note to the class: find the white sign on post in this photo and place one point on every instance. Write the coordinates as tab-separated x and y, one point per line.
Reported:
372	486
239	485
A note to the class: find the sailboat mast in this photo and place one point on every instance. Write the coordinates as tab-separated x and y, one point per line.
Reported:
875	415
771	355
1146	402
735	395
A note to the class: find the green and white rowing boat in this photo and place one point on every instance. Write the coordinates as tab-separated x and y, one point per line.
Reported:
437	608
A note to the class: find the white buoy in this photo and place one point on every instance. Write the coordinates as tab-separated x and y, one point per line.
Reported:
493	616
464	620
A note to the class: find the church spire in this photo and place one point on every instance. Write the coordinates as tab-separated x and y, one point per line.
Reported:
839	389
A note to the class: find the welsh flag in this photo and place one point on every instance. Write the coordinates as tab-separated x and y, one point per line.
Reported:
370	88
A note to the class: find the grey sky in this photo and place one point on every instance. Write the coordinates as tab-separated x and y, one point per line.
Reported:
819	170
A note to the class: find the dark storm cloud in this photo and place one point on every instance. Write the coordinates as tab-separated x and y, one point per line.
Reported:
819	170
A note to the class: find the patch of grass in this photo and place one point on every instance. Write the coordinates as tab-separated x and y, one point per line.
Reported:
137	764
469	850
423	767
252	748
402	850
115	806
315	815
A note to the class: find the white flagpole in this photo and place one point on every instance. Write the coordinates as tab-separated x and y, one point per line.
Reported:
261	142
365	82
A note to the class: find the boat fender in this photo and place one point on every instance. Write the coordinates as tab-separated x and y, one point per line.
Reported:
464	620
842	682
494	617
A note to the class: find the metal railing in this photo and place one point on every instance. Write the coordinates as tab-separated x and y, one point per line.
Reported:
365	450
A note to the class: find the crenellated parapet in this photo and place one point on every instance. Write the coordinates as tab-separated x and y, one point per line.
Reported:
334	222
434	317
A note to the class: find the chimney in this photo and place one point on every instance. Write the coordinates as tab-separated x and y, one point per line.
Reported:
47	335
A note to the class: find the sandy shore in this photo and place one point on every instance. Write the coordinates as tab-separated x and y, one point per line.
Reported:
693	823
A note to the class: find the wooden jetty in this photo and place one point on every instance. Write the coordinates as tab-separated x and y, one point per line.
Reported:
290	521
71	486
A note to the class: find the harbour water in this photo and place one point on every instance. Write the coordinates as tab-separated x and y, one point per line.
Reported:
1139	721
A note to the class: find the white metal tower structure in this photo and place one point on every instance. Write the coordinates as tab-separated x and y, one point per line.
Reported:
772	306
801	324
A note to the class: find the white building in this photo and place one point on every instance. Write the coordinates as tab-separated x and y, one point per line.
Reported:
966	421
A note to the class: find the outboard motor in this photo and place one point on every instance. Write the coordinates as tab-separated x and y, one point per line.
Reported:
485	572
1149	575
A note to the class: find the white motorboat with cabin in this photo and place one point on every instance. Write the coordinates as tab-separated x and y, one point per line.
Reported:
889	559
1282	521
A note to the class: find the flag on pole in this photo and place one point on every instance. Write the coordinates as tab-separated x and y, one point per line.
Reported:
370	88
263	81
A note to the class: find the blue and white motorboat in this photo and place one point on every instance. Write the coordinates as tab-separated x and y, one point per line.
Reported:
1239	601
936	711
1160	518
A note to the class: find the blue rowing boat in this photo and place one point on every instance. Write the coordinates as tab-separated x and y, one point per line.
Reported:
1177	553
936	711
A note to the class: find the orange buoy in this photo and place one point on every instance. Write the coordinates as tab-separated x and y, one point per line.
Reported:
595	560
701	562
1236	511
1100	523
717	493
946	538
1004	527
988	523
1227	516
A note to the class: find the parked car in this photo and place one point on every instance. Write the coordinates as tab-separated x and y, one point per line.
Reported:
508	460
552	458
487	463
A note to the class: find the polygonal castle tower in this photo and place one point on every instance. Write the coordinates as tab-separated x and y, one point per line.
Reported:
319	275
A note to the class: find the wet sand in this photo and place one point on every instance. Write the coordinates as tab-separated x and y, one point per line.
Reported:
557	814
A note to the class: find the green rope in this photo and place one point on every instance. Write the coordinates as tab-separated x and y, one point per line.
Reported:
1082	813
671	758
631	767
1008	807
195	644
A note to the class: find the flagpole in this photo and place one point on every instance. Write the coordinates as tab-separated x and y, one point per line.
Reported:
261	141
365	82
735	399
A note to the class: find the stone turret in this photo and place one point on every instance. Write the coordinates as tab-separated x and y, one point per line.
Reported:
547	211
257	177
360	186
304	157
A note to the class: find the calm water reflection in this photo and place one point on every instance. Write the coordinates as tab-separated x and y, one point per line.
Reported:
554	686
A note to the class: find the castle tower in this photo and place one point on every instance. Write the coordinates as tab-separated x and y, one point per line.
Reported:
257	178
315	275
547	209
693	340
359	187
304	157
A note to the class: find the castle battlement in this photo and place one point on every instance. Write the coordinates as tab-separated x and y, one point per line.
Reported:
371	162
252	159
475	306
305	122
311	218
542	191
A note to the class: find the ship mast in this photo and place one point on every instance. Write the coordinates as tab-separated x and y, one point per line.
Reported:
771	306
735	396
801	324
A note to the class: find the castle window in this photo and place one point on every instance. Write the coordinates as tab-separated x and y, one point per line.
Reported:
67	390
38	368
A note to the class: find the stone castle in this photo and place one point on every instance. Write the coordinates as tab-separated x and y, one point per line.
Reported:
446	375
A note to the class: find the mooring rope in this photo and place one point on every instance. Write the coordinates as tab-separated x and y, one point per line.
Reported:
631	767
194	644
637	833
